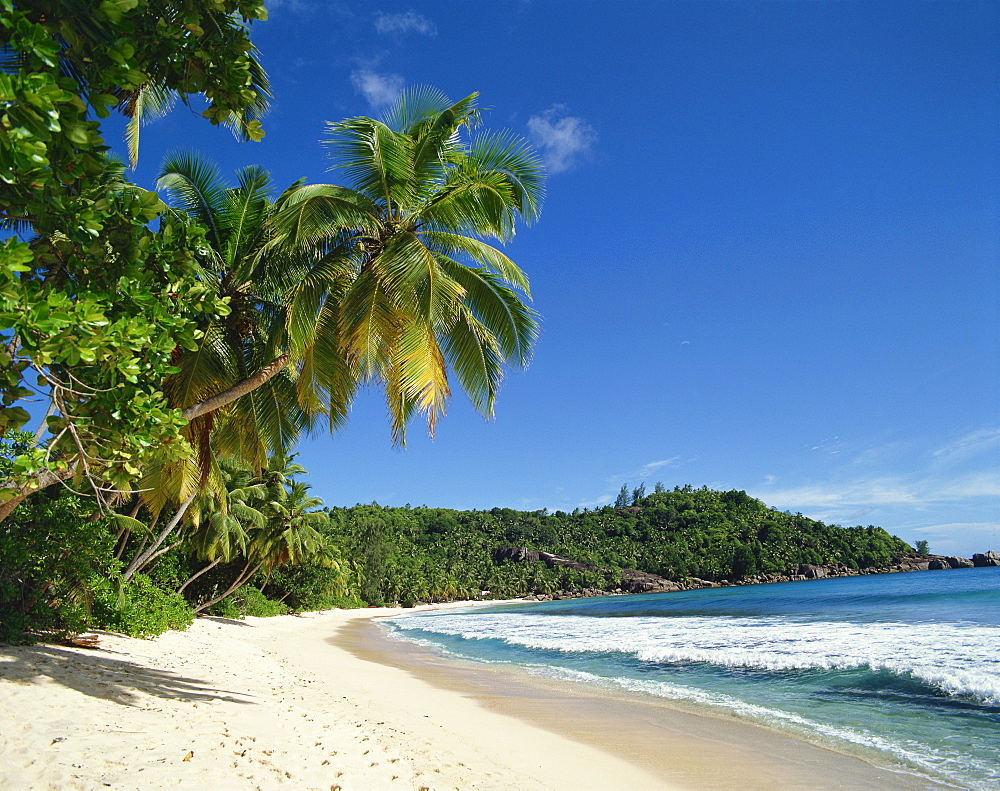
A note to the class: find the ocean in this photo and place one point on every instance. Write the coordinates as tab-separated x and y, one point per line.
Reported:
900	669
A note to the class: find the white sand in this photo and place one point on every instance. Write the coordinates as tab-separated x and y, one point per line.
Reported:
261	704
273	702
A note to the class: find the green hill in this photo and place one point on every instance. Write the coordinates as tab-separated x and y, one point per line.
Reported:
411	554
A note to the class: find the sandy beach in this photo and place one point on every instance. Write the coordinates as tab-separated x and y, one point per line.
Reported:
323	701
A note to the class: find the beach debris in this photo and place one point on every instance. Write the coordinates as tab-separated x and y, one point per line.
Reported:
84	641
188	757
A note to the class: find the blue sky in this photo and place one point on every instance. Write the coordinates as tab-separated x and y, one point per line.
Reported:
767	259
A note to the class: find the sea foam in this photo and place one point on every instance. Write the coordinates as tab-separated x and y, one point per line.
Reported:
962	662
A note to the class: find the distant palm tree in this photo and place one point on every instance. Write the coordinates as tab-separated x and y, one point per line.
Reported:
287	536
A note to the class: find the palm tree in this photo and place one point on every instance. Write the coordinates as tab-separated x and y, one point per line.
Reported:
288	536
329	287
223	519
244	267
404	281
393	279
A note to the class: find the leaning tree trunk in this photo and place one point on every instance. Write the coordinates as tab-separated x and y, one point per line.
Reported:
142	558
198	573
240	389
46	478
241	580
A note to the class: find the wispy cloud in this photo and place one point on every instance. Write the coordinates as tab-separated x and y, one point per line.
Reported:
603	499
653	466
408	22
378	89
949	530
957	537
910	490
830	445
562	139
639	474
635	477
292	6
968	446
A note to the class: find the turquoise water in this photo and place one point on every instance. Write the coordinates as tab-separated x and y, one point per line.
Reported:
902	667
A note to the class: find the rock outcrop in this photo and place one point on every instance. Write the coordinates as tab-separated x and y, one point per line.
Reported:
633	581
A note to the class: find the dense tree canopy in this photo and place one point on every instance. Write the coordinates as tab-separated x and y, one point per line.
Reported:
409	553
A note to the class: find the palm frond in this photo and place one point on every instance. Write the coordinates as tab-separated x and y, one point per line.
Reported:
326	375
375	158
482	253
497	308
507	154
310	213
420	370
418	104
194	185
140	106
369	323
411	276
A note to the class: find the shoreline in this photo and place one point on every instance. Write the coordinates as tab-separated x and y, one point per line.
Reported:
686	746
311	702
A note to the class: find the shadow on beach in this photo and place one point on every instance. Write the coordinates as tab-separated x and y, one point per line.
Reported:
228	621
102	676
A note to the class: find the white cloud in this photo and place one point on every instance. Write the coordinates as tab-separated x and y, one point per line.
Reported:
653	466
960	538
562	139
604	499
641	473
982	484
409	22
888	490
378	89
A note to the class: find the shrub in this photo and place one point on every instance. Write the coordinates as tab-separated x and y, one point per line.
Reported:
50	553
138	609
248	601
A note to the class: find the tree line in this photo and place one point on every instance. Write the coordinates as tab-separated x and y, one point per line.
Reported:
275	548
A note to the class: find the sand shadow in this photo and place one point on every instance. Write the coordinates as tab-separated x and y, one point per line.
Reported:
99	675
228	621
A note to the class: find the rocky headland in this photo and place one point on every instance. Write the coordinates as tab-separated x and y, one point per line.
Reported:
633	581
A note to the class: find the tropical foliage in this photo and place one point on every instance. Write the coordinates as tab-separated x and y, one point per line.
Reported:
93	301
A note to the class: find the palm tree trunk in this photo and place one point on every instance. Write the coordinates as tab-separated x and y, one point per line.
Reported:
142	544
142	558
241	580
240	389
198	573
46	478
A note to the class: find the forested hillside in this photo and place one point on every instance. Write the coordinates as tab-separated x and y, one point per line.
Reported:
406	554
